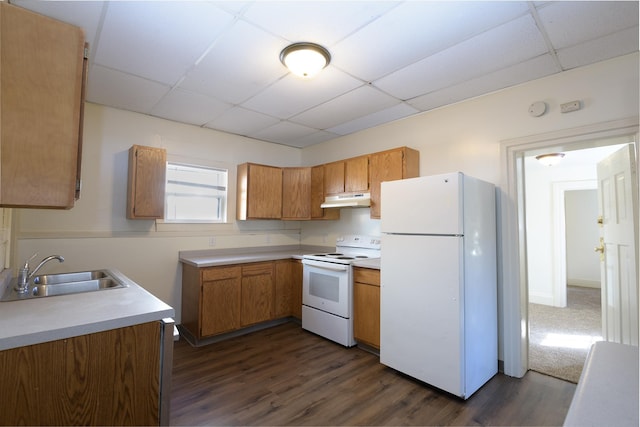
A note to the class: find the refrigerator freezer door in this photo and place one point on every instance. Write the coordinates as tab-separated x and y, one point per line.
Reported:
421	315
424	205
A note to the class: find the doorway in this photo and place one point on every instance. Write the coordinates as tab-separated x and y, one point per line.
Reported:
513	238
563	274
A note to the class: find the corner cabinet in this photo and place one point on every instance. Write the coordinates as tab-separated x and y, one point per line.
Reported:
366	306
318	194
42	87
259	192
146	182
391	165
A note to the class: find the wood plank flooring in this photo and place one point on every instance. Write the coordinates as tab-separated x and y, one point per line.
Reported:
287	376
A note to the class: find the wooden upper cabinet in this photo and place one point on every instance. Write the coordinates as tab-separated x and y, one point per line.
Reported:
334	177
356	174
259	192
391	165
296	193
318	194
347	176
146	183
42	80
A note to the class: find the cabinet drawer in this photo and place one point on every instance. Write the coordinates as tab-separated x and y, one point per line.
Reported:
366	275
220	273
257	269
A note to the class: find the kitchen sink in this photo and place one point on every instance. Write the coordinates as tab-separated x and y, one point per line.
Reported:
80	276
62	288
48	285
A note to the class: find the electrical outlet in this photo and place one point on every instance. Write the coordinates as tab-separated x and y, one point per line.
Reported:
212	241
570	106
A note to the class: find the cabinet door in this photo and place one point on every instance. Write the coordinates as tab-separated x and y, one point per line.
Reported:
318	194
391	165
356	175
42	98
334	178
220	301
296	193
146	184
104	378
259	192
257	293
283	288
366	306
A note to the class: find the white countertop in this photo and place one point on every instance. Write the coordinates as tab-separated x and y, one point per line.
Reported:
218	257
38	320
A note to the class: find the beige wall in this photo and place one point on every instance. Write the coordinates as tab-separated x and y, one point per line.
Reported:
465	136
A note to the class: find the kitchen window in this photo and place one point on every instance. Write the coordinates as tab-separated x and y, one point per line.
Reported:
195	194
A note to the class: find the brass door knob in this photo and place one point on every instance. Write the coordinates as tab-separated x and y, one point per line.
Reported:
600	249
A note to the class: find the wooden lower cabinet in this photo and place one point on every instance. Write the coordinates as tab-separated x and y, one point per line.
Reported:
105	378
257	293
216	300
366	306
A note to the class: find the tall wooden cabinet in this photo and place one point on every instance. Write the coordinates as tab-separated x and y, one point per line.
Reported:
391	165
42	81
146	182
259	192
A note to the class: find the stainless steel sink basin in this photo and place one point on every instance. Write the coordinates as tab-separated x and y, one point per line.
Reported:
74	287
80	276
48	285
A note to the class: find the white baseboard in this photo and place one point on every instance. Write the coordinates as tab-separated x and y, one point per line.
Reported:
584	283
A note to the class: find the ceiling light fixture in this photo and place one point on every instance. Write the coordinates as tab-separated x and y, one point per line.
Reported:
550	159
305	59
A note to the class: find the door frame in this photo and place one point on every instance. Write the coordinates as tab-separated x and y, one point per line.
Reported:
513	286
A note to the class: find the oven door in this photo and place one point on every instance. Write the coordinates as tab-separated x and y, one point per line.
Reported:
326	286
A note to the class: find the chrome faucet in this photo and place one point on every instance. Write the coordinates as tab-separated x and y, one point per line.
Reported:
24	275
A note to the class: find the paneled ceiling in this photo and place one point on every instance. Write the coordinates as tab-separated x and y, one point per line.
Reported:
216	64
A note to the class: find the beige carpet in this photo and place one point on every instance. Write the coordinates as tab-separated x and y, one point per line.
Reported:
560	338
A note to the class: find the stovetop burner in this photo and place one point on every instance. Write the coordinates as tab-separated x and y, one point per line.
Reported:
349	248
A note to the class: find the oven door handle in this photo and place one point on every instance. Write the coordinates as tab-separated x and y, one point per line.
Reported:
326	265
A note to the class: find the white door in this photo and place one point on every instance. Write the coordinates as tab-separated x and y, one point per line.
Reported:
618	207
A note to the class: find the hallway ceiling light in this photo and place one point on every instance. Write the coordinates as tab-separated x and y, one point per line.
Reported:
550	159
305	59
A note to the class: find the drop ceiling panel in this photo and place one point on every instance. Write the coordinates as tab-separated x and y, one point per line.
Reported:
490	51
387	115
398	39
611	46
352	105
240	64
173	37
292	95
241	121
285	133
323	22
535	68
120	90
597	19
189	107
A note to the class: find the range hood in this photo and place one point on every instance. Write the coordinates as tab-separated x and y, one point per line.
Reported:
357	200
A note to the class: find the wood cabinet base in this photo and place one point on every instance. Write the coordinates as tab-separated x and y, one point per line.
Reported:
106	378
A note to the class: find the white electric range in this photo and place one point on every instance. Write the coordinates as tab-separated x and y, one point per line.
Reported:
327	287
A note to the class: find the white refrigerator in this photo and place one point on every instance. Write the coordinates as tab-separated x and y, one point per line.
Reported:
438	295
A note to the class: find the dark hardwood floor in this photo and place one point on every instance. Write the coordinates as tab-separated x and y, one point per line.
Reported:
287	376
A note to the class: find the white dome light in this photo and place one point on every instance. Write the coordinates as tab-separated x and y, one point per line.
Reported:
305	59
